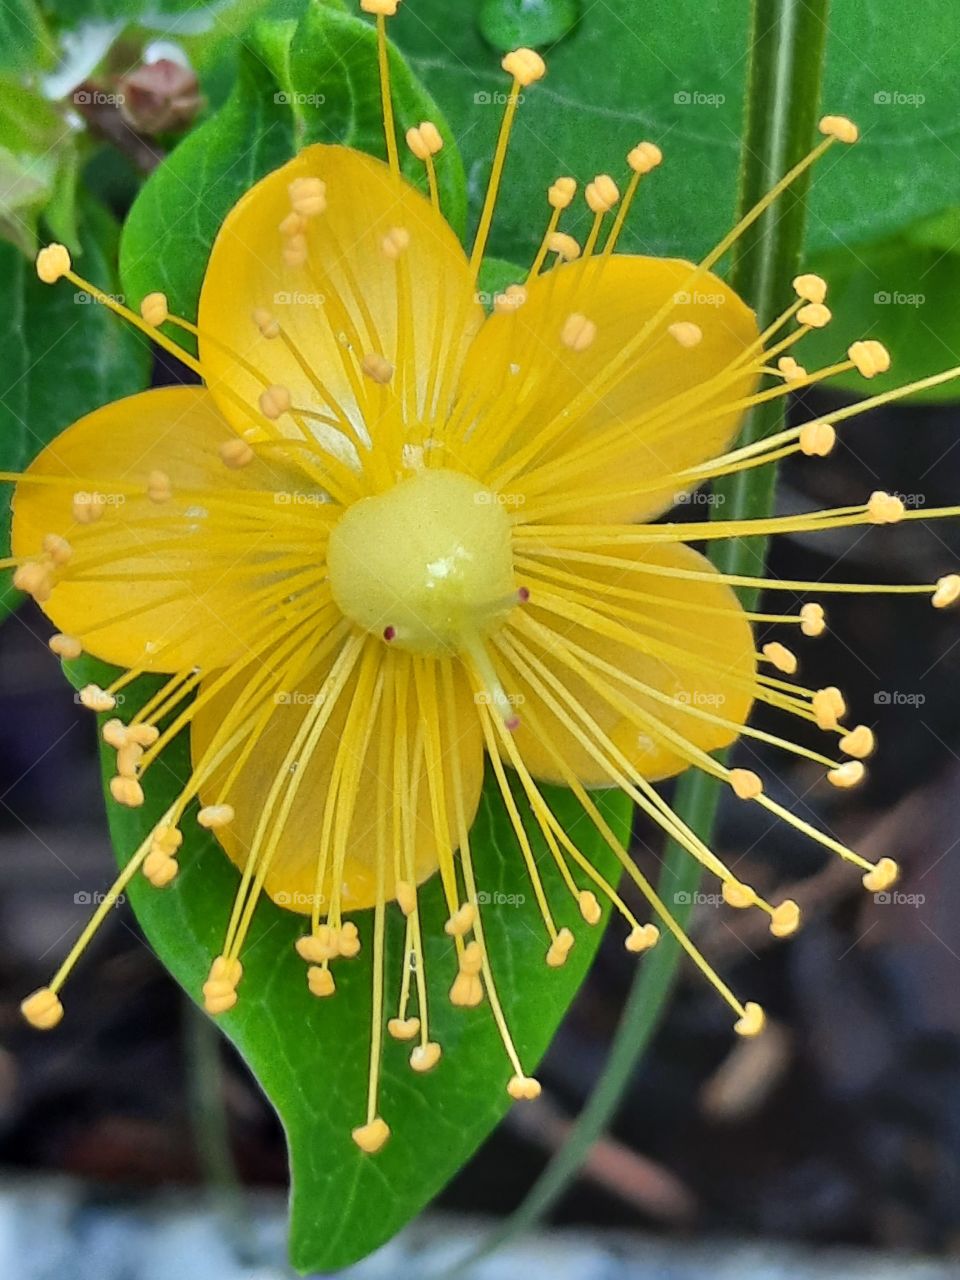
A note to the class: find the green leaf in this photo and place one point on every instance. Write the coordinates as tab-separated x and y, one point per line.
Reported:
37	168
311	1055
25	44
298	83
608	86
63	354
508	24
903	291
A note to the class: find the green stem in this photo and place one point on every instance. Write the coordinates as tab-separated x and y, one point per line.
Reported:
787	45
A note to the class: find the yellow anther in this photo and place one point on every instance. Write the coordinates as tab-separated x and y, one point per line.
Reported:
166	839
859	742
839	127
644	157
424	140
512	299
381	8
738	895
266	322
235	454
471	961
947	591
642	937
559	949
882	876
686	333
746	784
403	1028
790	369
114	734
466	991
395	242
145	734
560	194
88	508
817	439
847	775
42	1009
320	981
869	357
65	646
128	759
521	1087
814	315
601	194
377	367
525	65
220	988
785	919
406	896
219	998
308	196
780	656
810	288
564	246
752	1020
274	401
96	699
295	250
371	1137
319	946
578	332
215	816
884	508
154	309
829	707
34	578
424	1057
813	620
159	487
461	922
160	868
349	940
53	262
126	791
589	906
58	549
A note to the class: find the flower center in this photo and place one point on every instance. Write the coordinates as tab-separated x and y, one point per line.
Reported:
426	565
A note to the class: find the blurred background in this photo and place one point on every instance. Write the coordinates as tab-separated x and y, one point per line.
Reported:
133	1142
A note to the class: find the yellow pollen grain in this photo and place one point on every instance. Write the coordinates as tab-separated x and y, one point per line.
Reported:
274	401
817	439
349	940
53	262
235	454
814	315
869	357
947	591
560	948
159	487
295	251
859	742
166	839
114	733
780	656
839	127
395	243
87	508
746	784
96	699
424	140
790	369
560	194
512	299
846	775
160	868
308	196
154	309
57	548
642	937
578	332
884	508
811	288
589	906
266	322
65	646
42	1009
686	333
215	816
424	1057
403	1028
462	921
34	578
813	620
882	876
737	895
523	1088
785	919
644	157
601	194
380	8
406	896
320	981
292	224
145	734
126	791
564	246
377	367
128	759
525	65
752	1021
828	706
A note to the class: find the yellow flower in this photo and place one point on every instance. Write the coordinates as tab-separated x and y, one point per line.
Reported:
389	538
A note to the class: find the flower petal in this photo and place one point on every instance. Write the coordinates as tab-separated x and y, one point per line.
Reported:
707	667
158	583
619	296
291	877
341	303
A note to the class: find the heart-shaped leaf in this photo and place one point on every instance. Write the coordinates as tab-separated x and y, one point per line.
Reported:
311	1055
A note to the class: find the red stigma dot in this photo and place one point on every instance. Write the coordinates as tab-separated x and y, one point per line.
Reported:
389	633
523	595
512	724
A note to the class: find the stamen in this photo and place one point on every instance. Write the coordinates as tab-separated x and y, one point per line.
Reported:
839	127
810	288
